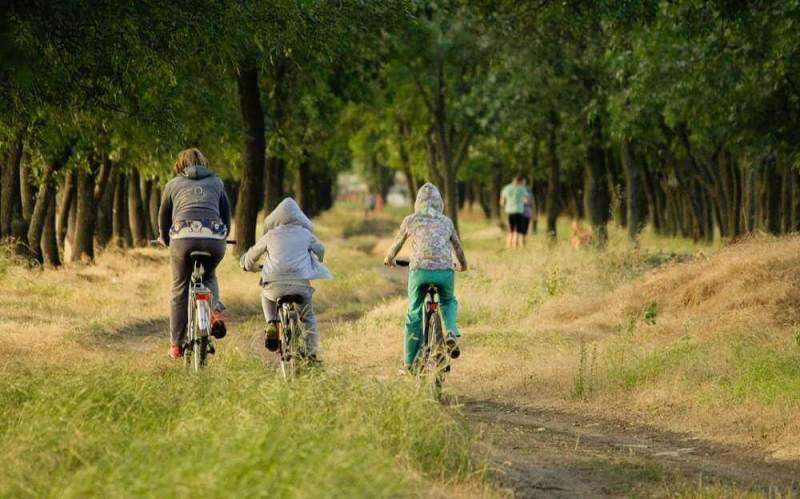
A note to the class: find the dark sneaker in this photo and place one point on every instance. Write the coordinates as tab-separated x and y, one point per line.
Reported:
311	360
211	350
271	339
175	352
452	345
218	329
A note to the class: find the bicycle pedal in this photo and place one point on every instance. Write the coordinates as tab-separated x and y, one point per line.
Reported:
211	349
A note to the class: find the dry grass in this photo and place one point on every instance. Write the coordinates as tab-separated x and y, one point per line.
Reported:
680	336
93	407
676	335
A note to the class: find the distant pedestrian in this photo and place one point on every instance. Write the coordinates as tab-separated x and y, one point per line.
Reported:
529	210
513	199
369	205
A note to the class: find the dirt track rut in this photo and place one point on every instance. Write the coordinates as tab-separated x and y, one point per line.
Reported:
538	452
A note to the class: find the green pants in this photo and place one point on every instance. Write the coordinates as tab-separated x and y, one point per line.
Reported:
417	285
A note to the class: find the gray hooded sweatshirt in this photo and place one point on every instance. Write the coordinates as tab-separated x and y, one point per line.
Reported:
432	234
292	251
195	195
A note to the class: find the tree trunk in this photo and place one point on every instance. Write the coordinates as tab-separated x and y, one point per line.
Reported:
85	207
304	189
136	217
786	200
553	178
617	187
119	225
494	195
753	200
597	198
146	188
635	199
67	191
253	168
10	201
650	184
26	190
773	186
103	199
104	225
795	207
49	242
72	223
153	205
273	182
39	215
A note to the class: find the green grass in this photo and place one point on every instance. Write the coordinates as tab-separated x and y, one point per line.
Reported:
113	431
769	376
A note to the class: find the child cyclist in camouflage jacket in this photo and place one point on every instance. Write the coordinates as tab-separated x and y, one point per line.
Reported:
432	235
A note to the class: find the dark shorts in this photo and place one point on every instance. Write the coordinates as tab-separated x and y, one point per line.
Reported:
518	222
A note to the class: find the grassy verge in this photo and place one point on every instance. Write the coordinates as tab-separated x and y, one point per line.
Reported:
92	407
109	430
674	334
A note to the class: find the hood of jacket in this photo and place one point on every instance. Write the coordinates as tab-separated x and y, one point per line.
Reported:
197	172
429	200
288	212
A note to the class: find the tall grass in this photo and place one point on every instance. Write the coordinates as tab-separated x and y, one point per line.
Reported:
110	431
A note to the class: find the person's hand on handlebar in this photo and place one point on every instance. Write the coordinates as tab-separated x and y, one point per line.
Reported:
459	268
389	262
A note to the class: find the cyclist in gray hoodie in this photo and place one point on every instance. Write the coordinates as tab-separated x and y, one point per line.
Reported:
292	259
194	216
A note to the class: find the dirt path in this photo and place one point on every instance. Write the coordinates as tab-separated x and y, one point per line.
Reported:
547	453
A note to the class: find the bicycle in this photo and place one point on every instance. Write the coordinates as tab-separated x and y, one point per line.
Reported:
432	362
291	334
198	345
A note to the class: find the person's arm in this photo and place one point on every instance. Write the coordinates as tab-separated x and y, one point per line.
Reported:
165	216
502	198
225	209
249	261
458	249
317	248
399	240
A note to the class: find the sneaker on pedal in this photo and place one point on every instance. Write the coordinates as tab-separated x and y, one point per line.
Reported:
453	349
218	329
271	339
175	352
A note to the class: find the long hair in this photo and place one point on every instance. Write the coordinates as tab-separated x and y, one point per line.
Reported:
189	157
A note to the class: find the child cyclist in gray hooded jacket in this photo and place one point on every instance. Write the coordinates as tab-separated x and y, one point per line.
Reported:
292	259
433	242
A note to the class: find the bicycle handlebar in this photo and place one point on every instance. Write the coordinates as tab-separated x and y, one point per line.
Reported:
406	263
159	242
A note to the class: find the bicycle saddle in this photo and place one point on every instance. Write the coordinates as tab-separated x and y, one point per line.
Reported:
291	299
200	254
